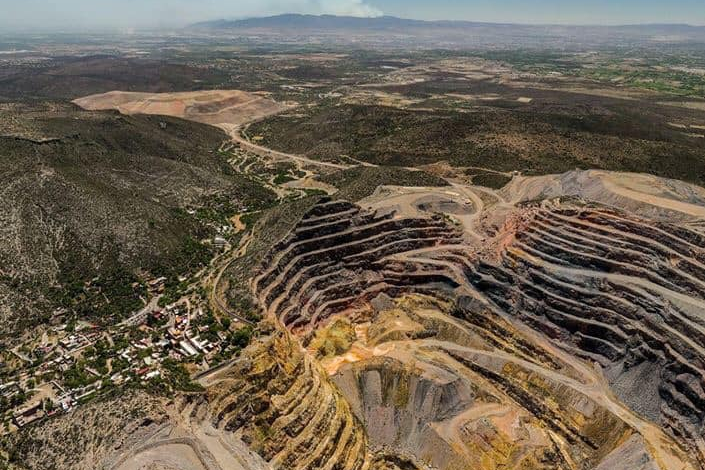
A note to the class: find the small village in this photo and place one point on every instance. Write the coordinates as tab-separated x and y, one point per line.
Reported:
161	347
155	348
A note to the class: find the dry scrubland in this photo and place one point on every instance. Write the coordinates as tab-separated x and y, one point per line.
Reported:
99	194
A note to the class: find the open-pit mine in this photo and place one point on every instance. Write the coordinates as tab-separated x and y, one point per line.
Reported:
308	242
556	323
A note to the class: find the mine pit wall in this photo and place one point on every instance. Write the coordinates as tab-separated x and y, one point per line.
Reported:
398	408
621	292
336	259
323	260
286	409
284	406
589	430
406	413
337	256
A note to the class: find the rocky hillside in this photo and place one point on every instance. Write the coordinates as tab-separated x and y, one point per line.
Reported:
98	194
117	422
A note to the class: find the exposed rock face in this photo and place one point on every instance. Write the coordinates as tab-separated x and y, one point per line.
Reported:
287	410
284	406
569	338
624	292
632	455
339	256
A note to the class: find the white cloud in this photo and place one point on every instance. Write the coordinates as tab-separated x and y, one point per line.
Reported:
349	8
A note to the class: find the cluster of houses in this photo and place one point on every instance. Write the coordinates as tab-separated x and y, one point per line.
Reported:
75	342
25	414
177	340
186	339
65	400
173	332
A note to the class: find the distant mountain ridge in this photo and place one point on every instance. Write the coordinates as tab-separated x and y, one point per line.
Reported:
291	20
389	31
295	20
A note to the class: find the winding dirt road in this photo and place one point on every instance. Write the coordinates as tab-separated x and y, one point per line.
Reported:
235	133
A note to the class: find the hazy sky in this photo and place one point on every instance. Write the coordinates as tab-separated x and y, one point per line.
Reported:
125	14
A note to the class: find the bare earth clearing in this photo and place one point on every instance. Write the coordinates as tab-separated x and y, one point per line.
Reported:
218	108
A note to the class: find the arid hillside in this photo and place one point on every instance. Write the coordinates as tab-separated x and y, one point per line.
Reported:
99	194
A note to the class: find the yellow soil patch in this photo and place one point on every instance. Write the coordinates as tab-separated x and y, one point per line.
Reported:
238	225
